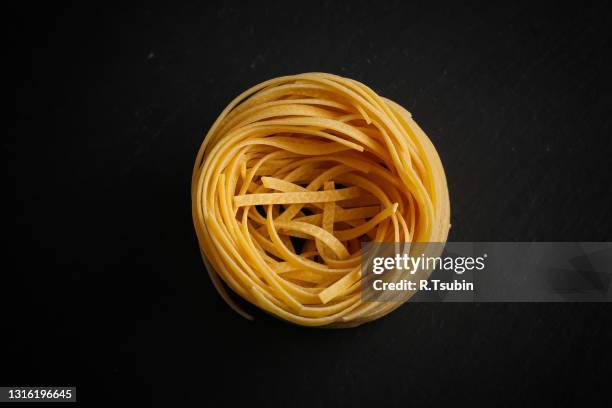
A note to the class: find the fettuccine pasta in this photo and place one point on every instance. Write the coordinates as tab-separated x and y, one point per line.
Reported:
293	176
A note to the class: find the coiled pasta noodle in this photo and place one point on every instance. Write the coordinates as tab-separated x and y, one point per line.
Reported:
292	176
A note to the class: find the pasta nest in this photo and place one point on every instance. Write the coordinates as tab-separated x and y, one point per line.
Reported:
293	176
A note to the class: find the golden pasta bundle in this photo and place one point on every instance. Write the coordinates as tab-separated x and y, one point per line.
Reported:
293	176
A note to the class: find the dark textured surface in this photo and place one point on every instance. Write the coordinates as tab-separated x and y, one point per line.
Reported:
110	293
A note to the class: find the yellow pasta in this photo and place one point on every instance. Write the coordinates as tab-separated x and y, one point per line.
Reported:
292	176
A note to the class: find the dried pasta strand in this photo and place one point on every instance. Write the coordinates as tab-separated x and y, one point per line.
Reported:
294	198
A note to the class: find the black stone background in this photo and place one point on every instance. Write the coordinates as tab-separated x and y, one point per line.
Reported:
104	284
